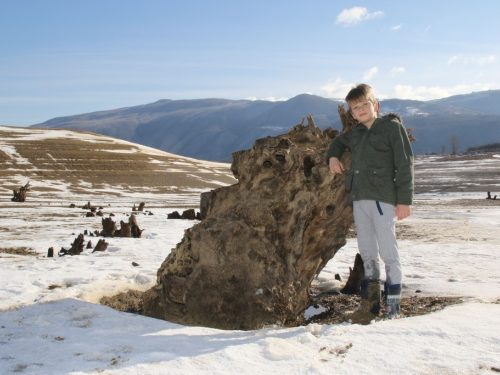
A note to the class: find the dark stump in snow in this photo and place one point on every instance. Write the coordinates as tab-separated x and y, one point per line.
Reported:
174	215
251	260
102	245
189	214
130	229
20	195
356	275
76	247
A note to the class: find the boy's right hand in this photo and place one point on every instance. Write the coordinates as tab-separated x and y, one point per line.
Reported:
336	166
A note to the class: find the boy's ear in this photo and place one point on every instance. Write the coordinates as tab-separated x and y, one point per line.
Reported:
376	106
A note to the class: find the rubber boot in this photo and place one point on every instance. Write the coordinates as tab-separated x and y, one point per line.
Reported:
370	296
369	307
392	300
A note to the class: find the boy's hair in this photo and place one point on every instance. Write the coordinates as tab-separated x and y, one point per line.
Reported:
361	92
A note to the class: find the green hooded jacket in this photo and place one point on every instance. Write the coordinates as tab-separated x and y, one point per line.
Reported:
381	161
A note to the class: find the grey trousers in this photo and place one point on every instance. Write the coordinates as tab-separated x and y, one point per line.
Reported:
375	224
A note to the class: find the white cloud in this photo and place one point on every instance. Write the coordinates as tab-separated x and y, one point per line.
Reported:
438	92
268	98
352	16
397	70
471	59
370	73
397	27
336	89
273	99
484	60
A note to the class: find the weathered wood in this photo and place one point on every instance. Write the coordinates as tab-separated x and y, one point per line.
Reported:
356	275
101	245
188	214
174	215
125	230
108	227
20	195
77	245
251	260
134	227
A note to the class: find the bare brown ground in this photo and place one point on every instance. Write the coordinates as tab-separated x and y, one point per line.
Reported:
337	305
101	164
18	251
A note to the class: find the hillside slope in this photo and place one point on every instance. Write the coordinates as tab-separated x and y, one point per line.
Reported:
81	162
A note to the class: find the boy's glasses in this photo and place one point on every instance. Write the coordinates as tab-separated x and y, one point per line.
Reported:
361	106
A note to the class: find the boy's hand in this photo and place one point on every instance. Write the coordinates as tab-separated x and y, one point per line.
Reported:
402	211
336	166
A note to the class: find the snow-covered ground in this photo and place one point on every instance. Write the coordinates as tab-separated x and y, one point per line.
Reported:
51	321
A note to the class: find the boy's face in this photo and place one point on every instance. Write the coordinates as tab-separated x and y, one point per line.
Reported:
364	111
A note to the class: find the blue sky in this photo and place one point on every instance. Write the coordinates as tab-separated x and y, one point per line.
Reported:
60	58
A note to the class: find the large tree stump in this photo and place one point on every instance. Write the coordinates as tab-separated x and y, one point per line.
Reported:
20	195
250	262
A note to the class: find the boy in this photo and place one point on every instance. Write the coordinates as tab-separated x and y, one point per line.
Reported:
380	186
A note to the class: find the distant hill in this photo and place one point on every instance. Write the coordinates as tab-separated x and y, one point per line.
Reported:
211	129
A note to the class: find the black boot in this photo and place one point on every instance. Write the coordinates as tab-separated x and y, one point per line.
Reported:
392	300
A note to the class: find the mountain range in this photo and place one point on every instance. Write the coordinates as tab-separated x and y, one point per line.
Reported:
211	129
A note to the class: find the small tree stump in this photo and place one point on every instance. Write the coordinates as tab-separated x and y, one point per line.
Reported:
174	215
134	227
356	275
141	206
89	245
188	214
102	245
20	195
108	227
77	246
125	229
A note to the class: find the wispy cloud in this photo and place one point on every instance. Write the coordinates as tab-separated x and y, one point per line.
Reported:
268	98
397	27
336	89
352	16
438	92
397	70
370	73
471	59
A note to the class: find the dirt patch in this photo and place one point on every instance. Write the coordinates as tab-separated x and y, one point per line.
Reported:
18	251
129	301
339	305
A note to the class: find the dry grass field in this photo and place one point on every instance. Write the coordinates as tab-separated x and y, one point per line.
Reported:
83	161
